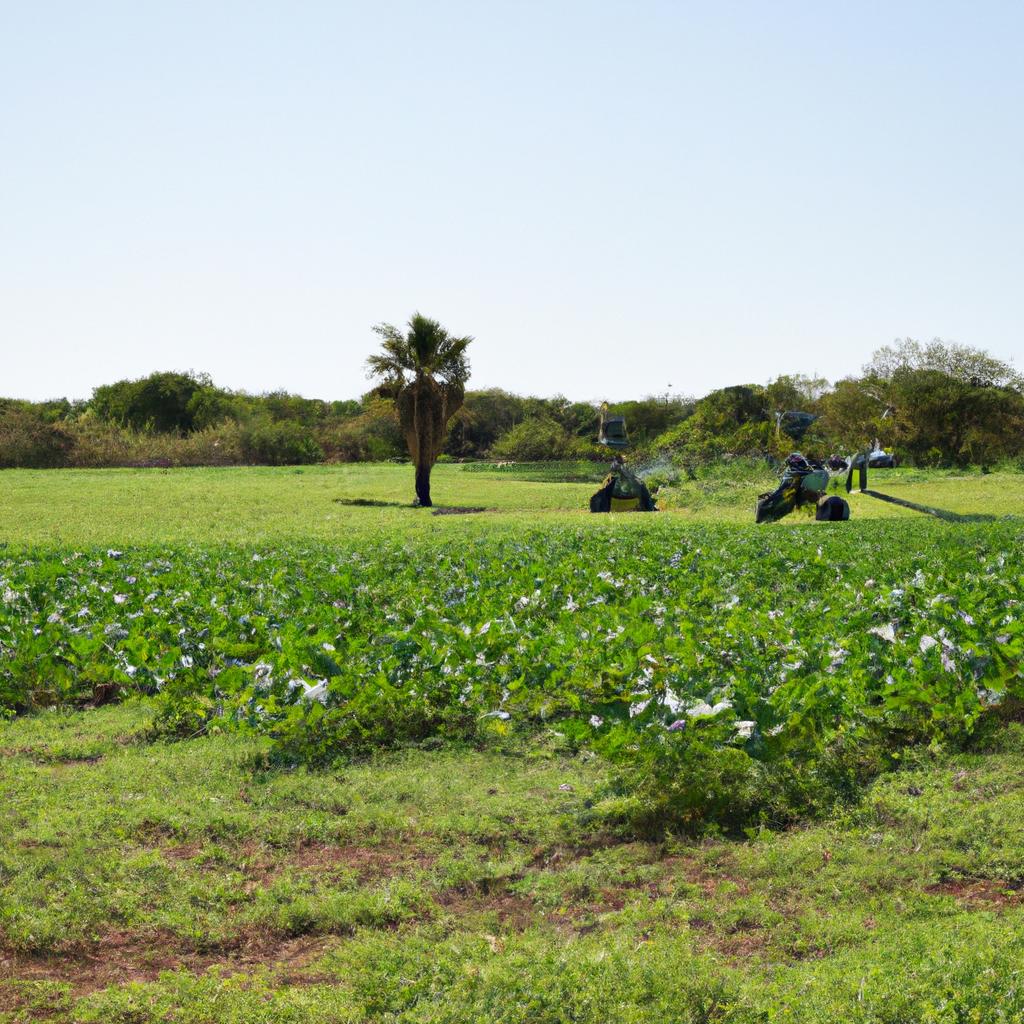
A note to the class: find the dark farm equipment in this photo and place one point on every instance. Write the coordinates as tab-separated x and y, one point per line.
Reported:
807	482
622	490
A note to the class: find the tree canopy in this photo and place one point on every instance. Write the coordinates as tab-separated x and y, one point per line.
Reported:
935	403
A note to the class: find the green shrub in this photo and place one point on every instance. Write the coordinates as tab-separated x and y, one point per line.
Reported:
220	445
372	436
28	441
278	443
538	440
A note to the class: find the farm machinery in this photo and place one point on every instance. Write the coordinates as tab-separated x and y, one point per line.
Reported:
807	482
622	490
804	483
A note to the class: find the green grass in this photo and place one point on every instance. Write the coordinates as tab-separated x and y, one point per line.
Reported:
240	506
149	881
575	471
247	505
203	881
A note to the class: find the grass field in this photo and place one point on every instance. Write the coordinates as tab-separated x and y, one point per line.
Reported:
144	879
267	505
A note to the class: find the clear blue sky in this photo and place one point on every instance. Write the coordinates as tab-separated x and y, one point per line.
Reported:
611	197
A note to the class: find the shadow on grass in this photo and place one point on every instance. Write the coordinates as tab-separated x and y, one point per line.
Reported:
436	510
372	503
940	513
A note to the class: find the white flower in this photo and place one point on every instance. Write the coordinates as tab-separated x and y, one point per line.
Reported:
120	598
673	702
745	729
111	553
328	647
596	721
570	605
317	692
704	710
926	643
186	661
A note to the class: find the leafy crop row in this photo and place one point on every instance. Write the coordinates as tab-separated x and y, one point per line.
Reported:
716	666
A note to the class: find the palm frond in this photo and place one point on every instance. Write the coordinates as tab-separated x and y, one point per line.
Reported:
427	349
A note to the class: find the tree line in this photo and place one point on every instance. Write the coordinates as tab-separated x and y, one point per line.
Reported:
934	404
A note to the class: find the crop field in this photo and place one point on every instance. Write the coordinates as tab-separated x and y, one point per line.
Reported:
275	746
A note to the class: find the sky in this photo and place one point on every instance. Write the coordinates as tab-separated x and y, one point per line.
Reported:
613	198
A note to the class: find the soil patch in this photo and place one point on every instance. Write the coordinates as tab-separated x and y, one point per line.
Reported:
459	510
514	913
263	864
120	957
982	893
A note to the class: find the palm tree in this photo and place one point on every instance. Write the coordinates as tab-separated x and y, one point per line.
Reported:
425	372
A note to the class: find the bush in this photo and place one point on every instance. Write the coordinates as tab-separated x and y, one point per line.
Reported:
372	436
27	441
99	445
538	440
215	446
280	443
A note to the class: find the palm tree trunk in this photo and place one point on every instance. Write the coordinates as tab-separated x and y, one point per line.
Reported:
423	485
